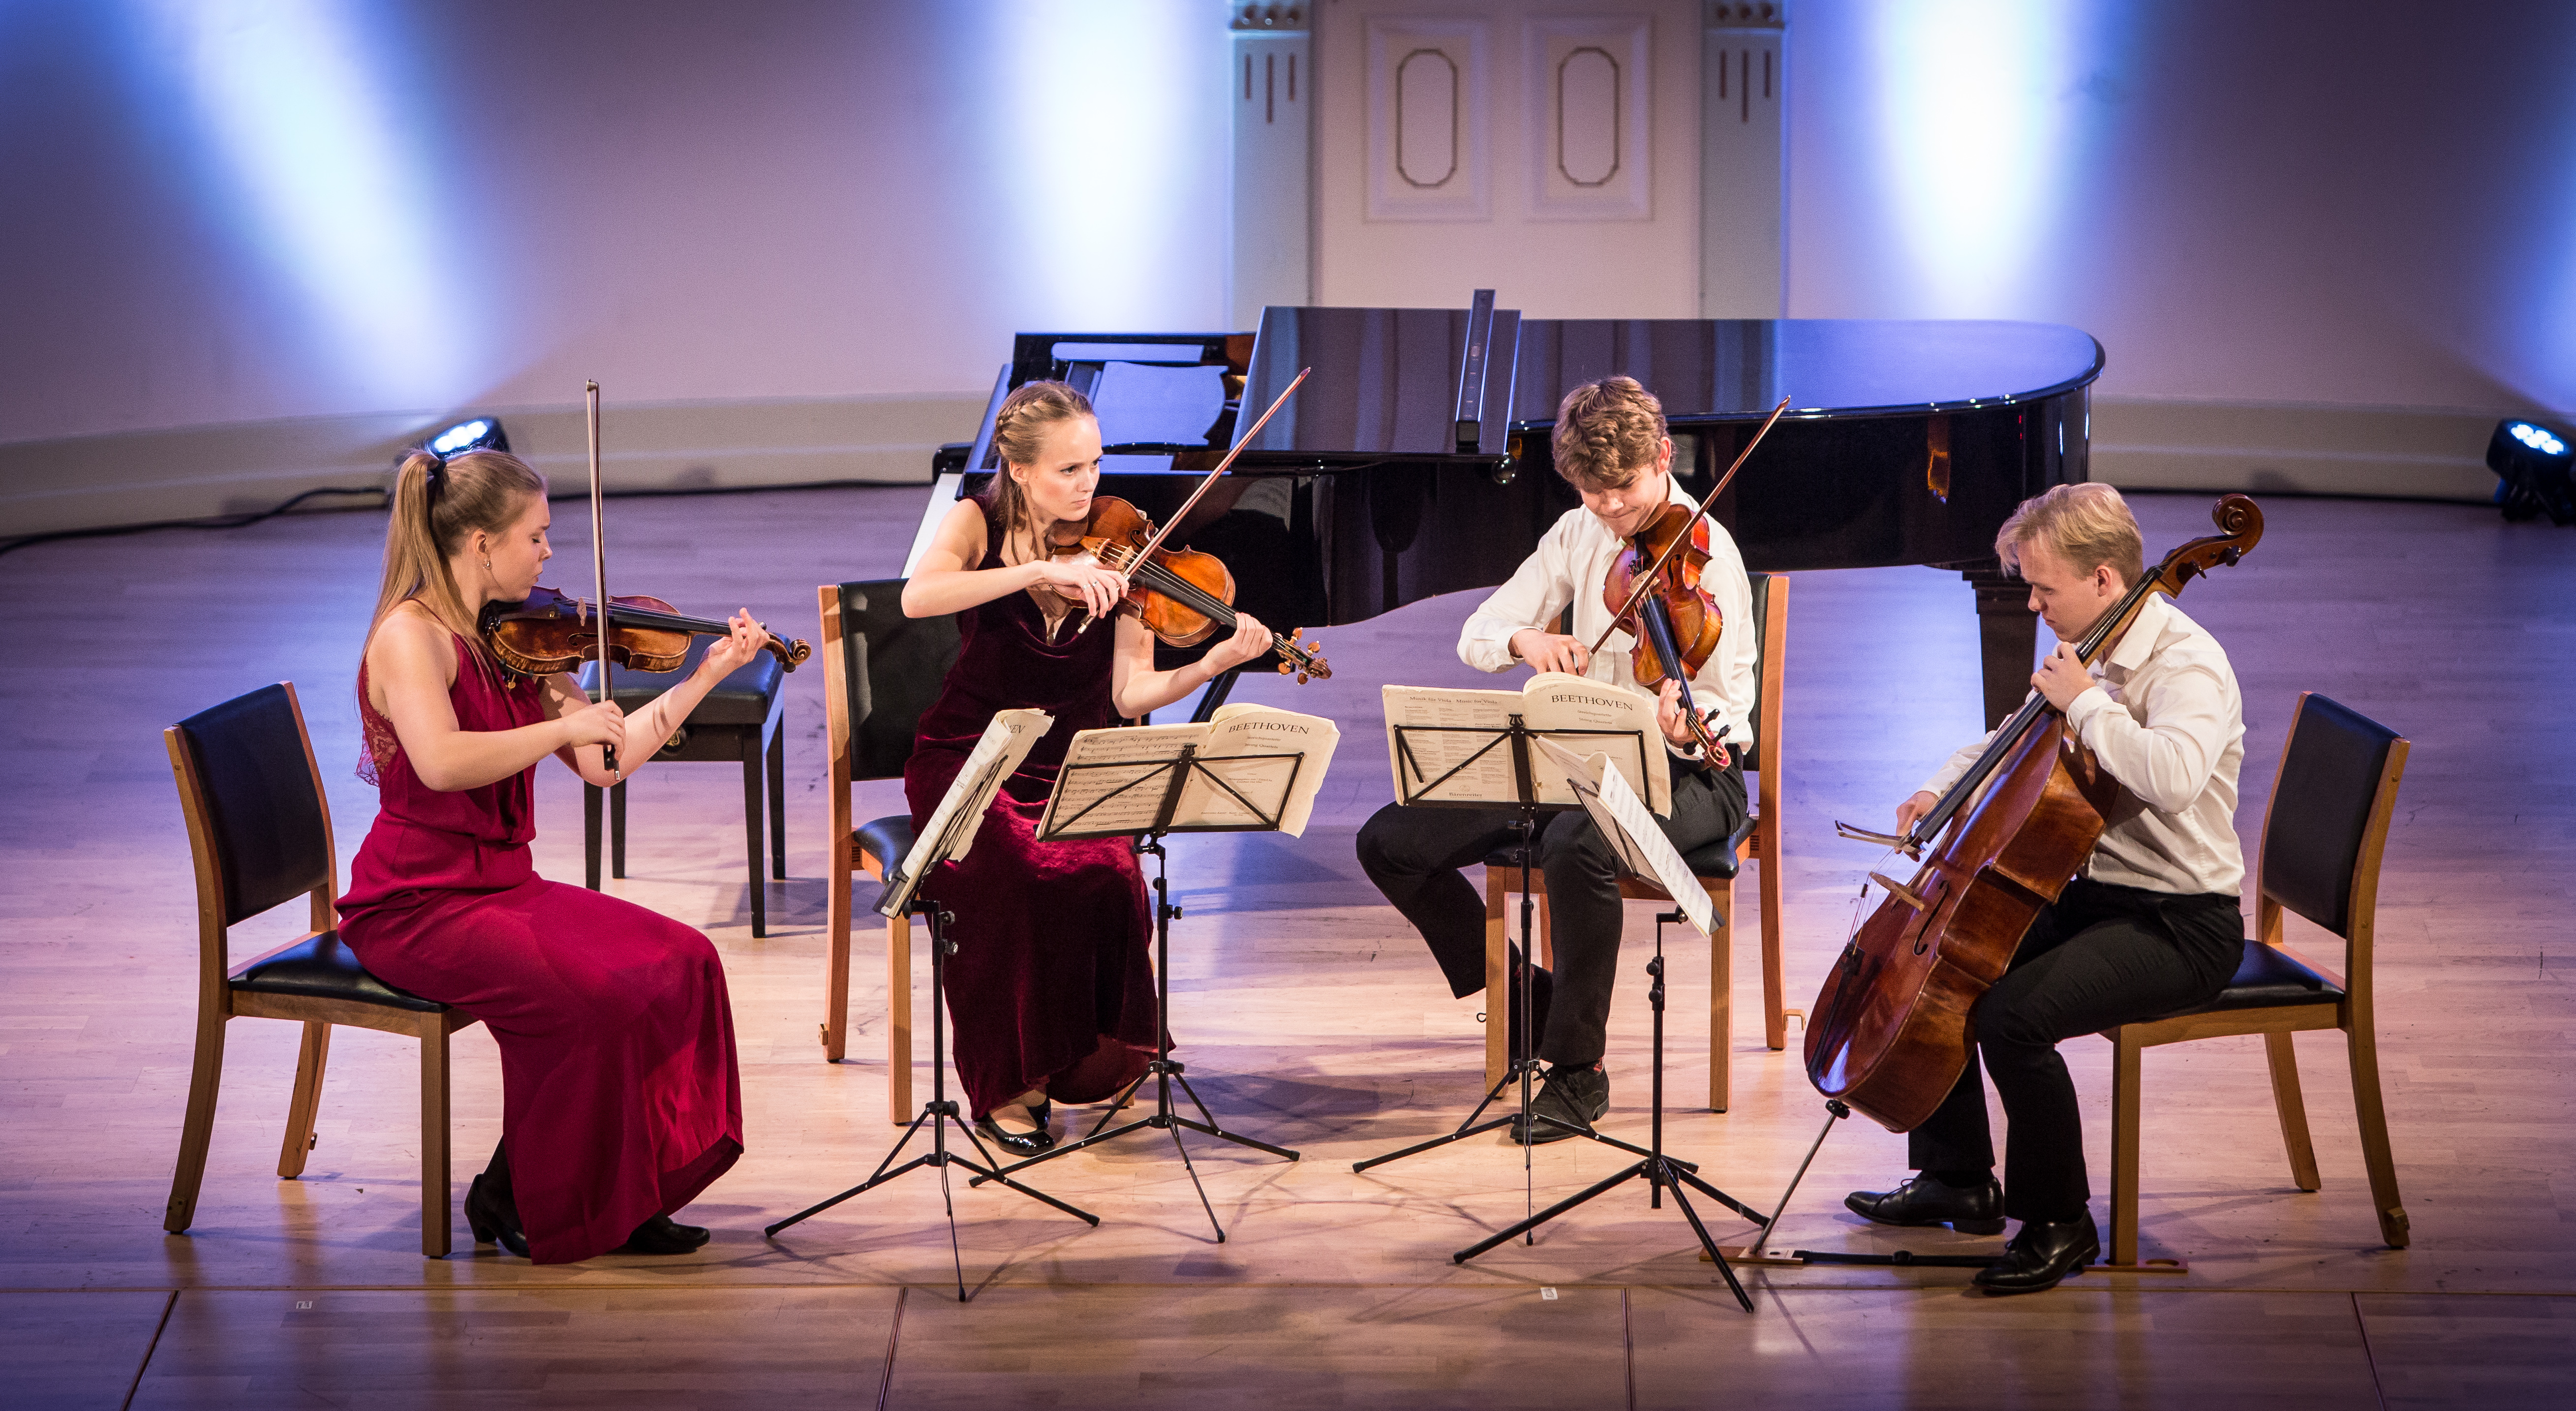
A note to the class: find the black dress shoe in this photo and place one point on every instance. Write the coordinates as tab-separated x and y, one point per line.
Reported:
663	1235
493	1218
1574	1097
1924	1200
1020	1144
2041	1253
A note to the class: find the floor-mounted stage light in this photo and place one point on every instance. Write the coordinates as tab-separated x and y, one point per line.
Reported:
2533	463
483	433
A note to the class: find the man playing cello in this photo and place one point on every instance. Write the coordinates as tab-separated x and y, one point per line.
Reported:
2149	927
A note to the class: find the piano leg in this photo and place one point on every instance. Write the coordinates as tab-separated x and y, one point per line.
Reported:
2008	638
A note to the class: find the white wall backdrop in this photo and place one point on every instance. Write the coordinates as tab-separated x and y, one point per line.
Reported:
253	209
358	216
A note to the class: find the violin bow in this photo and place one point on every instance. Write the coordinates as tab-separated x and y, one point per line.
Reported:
1146	554
1646	579
599	565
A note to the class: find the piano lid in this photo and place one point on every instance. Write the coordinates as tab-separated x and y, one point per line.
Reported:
1737	369
1387	385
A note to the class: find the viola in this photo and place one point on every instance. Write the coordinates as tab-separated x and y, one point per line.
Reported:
1183	596
1653	591
1890	1031
1677	622
549	633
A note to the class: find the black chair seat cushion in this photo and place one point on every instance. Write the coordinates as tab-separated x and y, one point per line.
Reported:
1715	862
322	968
2268	978
888	840
742	698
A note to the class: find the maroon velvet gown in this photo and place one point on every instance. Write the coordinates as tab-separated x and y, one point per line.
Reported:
1052	985
619	1099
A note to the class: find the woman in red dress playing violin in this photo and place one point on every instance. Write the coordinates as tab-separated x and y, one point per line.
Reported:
1051	986
620	1102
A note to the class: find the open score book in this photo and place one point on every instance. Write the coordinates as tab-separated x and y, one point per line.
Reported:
1251	758
1441	730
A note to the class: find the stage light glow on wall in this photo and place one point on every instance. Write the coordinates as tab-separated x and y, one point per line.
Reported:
297	113
1098	143
1975	102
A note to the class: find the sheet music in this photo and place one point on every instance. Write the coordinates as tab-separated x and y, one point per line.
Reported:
1435	752
1114	779
998	751
1631	832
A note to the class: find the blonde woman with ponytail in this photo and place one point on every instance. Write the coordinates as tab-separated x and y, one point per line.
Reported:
620	1101
1051	986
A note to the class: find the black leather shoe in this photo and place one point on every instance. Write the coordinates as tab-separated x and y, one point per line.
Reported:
1543	986
493	1218
2043	1252
1020	1144
1575	1097
663	1235
1923	1200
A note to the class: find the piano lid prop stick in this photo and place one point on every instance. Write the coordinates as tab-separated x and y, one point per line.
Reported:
1146	554
1646	579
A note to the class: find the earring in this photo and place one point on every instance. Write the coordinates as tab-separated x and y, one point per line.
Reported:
487	563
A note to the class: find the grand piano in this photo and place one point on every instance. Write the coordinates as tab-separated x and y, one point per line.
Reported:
1415	460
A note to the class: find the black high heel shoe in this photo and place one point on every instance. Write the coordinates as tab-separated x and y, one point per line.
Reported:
493	1218
1020	1144
663	1235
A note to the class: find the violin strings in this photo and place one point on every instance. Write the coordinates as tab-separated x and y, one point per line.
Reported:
1191	595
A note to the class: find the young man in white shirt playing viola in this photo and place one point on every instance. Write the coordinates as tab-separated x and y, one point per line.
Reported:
1612	445
2149	927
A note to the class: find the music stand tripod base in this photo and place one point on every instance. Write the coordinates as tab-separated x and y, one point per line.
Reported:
937	1114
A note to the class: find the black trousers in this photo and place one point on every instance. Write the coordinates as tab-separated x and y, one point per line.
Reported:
1414	855
2101	957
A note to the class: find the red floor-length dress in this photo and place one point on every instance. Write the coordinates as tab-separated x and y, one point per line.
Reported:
1052	985
619	1097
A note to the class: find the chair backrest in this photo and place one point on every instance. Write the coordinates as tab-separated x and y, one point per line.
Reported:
258	823
881	671
1770	648
2327	825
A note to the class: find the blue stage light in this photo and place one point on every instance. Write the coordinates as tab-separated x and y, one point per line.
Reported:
2535	470
482	433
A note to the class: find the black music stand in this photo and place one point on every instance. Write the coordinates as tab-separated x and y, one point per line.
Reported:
901	895
1524	1064
1170	776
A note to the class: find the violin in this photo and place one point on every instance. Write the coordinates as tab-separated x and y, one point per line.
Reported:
1680	620
1890	1031
549	633
1653	591
1182	596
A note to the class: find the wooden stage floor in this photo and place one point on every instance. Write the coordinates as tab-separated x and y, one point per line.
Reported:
1310	1016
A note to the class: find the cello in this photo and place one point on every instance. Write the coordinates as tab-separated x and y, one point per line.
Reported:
1891	1030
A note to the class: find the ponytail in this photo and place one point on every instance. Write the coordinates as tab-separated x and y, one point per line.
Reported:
437	502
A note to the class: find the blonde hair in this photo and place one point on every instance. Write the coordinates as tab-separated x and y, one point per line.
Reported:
438	504
1607	433
1019	433
2088	524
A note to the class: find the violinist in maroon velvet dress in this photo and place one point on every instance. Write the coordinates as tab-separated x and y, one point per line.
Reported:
1051	988
620	1102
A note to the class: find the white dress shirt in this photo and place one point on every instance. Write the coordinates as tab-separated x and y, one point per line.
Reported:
2165	719
1569	565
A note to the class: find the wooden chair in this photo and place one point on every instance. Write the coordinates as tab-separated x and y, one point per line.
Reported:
2322	838
881	670
260	830
740	721
1715	865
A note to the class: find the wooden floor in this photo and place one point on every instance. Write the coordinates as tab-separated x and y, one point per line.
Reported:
1310	1016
